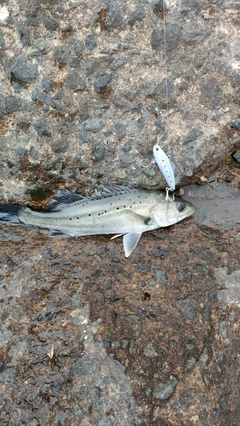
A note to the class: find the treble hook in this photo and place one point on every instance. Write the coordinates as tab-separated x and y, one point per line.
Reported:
167	195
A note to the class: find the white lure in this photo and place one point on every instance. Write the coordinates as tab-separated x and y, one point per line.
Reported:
165	165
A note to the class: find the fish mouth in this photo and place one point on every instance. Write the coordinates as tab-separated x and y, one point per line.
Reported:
190	217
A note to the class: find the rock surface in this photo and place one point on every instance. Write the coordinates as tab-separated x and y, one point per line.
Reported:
83	72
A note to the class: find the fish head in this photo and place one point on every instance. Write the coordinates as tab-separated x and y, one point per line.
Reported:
168	212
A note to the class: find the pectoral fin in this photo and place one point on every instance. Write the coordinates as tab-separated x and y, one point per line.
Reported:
130	241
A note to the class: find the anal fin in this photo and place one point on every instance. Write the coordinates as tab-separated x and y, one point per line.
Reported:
130	242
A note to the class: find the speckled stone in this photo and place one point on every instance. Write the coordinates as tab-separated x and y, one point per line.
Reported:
163	391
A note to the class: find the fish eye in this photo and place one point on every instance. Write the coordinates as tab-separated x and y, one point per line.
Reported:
181	207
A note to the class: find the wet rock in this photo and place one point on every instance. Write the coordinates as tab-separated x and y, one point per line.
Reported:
9	105
118	102
98	151
101	84
190	363
161	277
83	110
8	375
97	65
38	95
75	62
23	126
126	160
59	145
84	138
156	39
120	130
222	66
114	18
195	36
211	94
200	57
61	54
139	124
154	3
159	124
188	307
137	15
78	413
149	351
172	36
27	73
235	81
160	92
77	45
24	34
235	124
41	47
93	125
75	81
164	390
187	8
128	94
236	156
42	128
104	422
2	42
192	136
90	43
82	367
50	23
99	405
133	319
18	88
47	84
204	358
186	400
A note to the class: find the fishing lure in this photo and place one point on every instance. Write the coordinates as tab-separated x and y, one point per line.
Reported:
166	166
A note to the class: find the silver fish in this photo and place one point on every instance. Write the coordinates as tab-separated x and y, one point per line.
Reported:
114	210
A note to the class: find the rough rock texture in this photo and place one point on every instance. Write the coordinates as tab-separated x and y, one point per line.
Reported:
78	78
88	337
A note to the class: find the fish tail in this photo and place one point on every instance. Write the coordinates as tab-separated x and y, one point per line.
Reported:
10	214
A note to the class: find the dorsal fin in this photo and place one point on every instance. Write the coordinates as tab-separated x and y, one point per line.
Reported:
63	197
106	190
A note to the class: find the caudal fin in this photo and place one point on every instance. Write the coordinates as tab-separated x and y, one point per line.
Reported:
9	214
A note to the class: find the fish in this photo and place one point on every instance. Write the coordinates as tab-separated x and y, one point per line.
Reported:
165	165
114	209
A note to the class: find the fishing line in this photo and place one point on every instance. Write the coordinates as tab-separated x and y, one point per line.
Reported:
165	63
